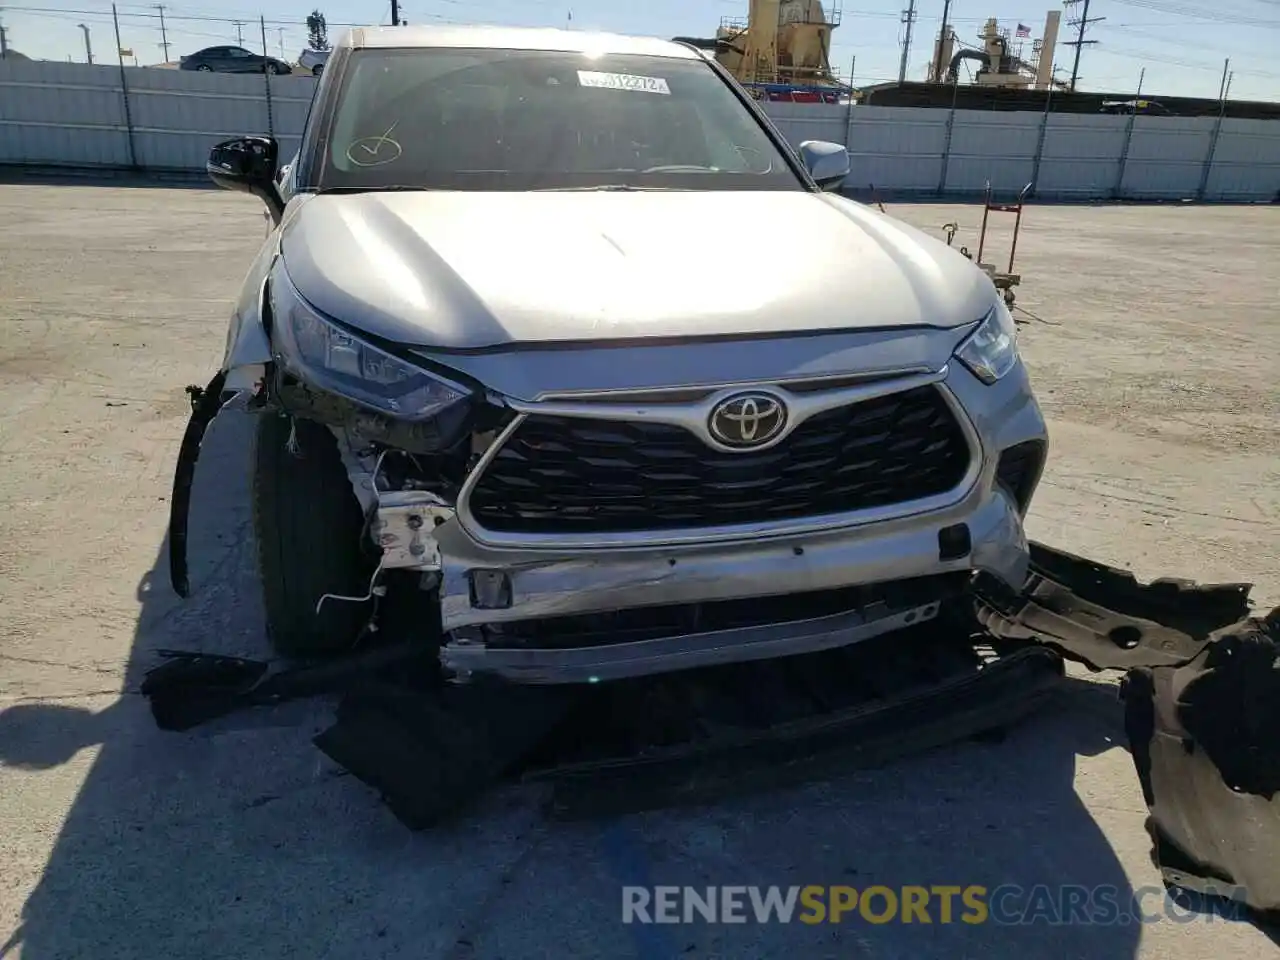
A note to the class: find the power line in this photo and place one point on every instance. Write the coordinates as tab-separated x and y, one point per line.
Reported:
1169	41
208	19
1190	12
1079	42
1144	56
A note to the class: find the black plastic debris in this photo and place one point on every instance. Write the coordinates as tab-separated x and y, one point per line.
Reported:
428	754
189	689
1205	738
1103	617
690	739
1201	700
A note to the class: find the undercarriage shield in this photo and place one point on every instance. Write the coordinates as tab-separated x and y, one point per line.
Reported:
1103	617
1205	744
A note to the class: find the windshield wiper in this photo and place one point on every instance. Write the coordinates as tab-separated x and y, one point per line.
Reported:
389	188
606	188
599	188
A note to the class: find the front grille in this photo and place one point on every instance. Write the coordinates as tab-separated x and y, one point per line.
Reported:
569	475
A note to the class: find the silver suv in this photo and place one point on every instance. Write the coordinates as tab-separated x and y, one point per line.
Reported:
558	342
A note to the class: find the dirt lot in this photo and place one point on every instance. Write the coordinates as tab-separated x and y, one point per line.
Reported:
1155	351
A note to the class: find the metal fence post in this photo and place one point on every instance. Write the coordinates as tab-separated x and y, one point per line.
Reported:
1223	92
848	124
946	143
1128	139
266	78
1040	138
124	93
1117	188
1207	168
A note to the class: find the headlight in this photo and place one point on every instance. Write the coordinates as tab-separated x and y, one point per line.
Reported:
331	359
991	350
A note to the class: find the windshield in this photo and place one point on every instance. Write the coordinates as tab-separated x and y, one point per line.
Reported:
464	119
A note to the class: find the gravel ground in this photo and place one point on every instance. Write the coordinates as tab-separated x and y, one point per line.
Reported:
1154	343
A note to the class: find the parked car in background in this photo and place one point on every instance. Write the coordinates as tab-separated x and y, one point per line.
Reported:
1150	107
232	59
313	61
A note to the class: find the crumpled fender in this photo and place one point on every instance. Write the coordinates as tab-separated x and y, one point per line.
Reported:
244	360
248	346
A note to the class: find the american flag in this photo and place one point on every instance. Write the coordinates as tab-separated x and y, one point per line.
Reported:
1023	30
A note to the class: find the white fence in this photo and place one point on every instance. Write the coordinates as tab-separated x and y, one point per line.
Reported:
63	114
916	151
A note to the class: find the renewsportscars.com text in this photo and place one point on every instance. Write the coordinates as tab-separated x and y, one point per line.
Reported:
1005	905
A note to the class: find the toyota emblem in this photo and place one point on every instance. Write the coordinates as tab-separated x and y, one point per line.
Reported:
747	420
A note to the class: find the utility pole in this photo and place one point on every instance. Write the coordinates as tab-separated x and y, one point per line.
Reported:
164	34
1079	42
280	32
395	13
909	18
88	49
1223	87
4	40
239	32
935	75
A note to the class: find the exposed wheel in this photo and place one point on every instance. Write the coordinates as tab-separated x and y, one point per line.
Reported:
317	69
204	68
277	69
309	526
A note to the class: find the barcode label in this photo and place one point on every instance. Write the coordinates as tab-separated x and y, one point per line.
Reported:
623	81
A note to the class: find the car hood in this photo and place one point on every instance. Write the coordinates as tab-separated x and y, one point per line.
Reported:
467	270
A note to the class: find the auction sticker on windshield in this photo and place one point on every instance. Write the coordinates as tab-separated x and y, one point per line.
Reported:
623	81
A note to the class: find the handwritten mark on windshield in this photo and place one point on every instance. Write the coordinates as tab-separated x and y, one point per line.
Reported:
375	151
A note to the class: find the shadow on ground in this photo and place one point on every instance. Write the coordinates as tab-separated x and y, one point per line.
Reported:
242	840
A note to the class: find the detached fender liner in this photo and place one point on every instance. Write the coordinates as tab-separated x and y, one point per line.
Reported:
1205	738
205	404
1103	617
1202	709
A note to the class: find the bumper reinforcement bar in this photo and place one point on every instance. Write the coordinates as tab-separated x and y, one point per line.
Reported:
684	652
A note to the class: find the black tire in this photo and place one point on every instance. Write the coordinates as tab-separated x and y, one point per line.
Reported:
317	69
309	526
204	68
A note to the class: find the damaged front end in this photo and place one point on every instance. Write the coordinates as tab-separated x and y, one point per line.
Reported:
542	557
716	678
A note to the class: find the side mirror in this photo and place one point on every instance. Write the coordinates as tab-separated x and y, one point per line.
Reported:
248	164
827	163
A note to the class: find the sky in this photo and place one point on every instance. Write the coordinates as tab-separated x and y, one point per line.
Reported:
1180	44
